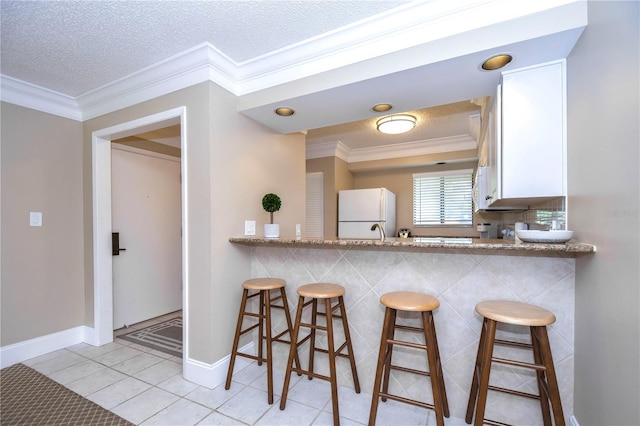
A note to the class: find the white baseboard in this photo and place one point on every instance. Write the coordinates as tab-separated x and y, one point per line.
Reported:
574	421
208	375
22	351
212	375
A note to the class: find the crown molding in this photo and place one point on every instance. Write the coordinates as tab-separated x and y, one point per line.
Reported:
397	29
416	23
410	149
38	98
328	149
384	152
193	66
366	39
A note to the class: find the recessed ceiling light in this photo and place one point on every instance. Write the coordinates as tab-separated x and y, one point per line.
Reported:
382	107
284	111
496	62
396	124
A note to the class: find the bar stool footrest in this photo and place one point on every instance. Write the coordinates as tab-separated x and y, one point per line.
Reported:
253	357
513	392
407	400
519	364
410	370
407	344
337	352
246	330
310	374
495	423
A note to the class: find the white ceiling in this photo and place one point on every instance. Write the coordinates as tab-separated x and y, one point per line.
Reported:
329	60
88	44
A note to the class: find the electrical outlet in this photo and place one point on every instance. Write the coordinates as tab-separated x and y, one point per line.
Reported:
249	227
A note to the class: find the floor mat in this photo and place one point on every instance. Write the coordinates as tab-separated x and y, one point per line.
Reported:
165	336
28	397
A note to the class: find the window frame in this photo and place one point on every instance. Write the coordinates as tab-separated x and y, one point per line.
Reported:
442	174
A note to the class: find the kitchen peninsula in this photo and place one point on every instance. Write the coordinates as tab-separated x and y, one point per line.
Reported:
460	273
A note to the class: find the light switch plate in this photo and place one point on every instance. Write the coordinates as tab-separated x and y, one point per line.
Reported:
249	227
35	218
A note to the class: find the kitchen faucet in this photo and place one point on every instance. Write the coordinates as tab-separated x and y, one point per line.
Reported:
376	225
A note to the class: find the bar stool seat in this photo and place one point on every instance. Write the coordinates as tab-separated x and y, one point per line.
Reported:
409	302
326	292
521	314
262	288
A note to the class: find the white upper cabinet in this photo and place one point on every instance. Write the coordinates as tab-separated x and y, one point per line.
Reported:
527	153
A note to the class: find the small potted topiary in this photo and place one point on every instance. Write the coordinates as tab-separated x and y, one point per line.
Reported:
271	203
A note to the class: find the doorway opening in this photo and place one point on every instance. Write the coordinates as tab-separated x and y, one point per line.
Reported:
146	224
102	216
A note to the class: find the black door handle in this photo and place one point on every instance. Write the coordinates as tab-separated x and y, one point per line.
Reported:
115	244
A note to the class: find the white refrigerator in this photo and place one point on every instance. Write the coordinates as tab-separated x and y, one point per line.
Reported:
360	209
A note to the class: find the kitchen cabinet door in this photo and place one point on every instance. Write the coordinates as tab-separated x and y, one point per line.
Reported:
493	134
531	145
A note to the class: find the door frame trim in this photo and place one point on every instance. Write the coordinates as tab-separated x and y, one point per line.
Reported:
101	191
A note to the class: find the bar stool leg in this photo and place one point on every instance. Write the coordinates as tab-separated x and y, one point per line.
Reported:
440	373
332	361
347	334
236	338
433	367
267	314
261	312
541	379
475	380
312	341
293	353
382	356
287	315
552	382
485	370
388	355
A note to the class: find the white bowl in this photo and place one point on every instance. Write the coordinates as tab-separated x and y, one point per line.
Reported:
536	236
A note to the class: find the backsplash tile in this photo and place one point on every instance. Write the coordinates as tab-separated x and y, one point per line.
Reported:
540	216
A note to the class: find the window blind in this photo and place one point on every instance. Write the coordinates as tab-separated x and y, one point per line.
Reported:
315	205
443	198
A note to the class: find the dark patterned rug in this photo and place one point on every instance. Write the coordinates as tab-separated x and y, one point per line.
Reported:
28	397
165	336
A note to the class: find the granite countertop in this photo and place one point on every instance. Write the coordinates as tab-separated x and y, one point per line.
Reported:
443	245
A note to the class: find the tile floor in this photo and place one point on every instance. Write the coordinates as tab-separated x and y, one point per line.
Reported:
146	387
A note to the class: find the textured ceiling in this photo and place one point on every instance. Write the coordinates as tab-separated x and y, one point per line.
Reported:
73	47
330	60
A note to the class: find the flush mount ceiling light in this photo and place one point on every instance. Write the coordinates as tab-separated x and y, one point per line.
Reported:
496	62
284	111
381	107
396	124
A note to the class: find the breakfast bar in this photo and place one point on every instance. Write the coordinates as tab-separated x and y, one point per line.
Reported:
459	272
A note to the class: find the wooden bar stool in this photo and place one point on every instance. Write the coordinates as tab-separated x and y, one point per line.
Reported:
262	288
537	319
315	292
409	302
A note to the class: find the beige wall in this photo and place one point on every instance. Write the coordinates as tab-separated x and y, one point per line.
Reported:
42	268
340	175
336	177
326	165
344	177
400	182
604	209
247	160
232	162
